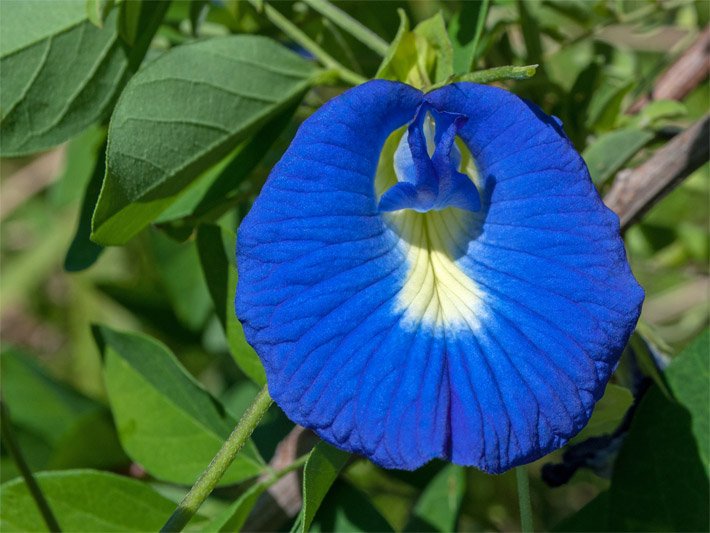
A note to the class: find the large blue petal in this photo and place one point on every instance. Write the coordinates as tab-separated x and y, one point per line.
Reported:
488	345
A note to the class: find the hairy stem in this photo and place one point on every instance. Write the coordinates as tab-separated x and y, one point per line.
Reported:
206	483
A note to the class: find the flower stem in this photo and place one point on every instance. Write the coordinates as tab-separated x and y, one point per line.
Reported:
526	520
362	33
206	483
299	37
9	439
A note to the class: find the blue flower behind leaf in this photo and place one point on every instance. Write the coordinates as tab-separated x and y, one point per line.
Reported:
434	275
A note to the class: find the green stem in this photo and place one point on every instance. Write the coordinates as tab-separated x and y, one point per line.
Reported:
362	33
299	37
9	438
526	519
206	483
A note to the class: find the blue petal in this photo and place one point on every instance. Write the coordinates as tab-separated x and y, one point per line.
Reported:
484	337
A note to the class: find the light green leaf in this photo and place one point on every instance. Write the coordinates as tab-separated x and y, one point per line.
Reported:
660	480
657	112
611	151
183	113
321	470
85	500
608	413
347	509
216	248
98	10
437	509
166	421
421	57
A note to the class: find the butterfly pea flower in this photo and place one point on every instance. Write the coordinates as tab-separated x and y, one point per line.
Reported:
435	276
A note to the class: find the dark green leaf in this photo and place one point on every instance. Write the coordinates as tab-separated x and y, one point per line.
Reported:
178	265
49	92
183	113
611	151
321	470
592	517
221	186
347	509
74	430
83	252
465	30
217	248
85	500
60	73
660	480
167	422
605	106
437	509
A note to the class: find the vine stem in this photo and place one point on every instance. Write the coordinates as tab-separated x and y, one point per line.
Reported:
526	520
206	483
35	491
299	37
358	30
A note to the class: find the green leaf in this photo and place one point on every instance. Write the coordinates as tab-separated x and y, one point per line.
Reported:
217	247
420	57
234	517
592	517
321	470
465	30
605	106
83	252
74	430
49	92
98	10
608	413
347	509
656	112
660	481
437	509
166	420
611	151
85	500
183	113
220	187
60	73
178	265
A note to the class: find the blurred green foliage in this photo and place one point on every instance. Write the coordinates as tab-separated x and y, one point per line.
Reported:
190	142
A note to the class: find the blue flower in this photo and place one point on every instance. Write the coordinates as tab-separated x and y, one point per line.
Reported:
434	275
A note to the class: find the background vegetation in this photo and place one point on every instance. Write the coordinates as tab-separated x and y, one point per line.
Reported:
123	367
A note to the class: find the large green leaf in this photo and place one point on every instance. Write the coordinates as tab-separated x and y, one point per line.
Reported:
660	480
63	428
465	30
183	113
347	509
59	71
321	470
216	248
85	500
166	421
